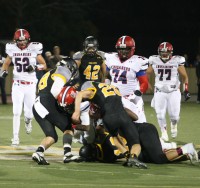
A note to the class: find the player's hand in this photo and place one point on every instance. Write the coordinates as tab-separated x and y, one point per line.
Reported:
31	68
135	97
138	93
3	73
187	95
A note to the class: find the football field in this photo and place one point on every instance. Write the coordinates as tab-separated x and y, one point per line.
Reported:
18	170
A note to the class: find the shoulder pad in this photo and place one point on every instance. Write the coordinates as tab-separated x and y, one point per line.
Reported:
36	46
179	59
9	48
78	55
101	53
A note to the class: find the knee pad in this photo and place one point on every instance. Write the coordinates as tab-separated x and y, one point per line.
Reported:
174	120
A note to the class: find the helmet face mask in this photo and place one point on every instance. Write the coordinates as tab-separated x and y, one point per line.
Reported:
124	53
90	45
22	38
165	51
125	47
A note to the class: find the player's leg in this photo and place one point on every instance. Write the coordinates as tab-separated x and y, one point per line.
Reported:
160	105
183	153
50	139
29	100
151	147
17	99
141	113
174	104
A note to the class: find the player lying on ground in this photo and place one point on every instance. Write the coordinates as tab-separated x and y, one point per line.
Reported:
104	150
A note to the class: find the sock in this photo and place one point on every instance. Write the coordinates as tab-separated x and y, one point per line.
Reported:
16	126
67	139
67	148
40	149
179	151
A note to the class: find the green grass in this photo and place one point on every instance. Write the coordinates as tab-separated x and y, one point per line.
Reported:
18	170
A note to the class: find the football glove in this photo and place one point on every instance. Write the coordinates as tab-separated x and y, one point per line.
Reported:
138	93
31	68
186	95
3	73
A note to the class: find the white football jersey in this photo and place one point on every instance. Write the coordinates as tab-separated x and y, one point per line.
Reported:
23	58
166	74
123	75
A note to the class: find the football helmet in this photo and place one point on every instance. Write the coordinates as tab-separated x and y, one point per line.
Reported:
125	47
22	38
66	99
72	66
165	51
88	152
90	45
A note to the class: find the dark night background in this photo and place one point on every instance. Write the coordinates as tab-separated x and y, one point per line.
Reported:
67	22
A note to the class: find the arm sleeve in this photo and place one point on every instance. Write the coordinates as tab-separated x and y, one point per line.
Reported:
57	86
143	80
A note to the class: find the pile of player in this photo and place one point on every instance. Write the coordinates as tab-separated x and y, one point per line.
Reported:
100	94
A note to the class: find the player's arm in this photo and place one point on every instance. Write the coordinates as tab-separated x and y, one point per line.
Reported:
132	115
183	73
143	80
57	86
5	66
184	76
107	76
103	71
149	71
78	62
85	94
42	64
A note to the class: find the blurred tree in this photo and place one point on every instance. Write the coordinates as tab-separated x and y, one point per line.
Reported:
53	22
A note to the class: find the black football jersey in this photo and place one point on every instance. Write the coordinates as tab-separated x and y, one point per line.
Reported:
102	91
90	67
46	82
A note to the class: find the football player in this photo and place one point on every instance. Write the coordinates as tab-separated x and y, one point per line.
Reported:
90	61
114	116
47	113
127	72
152	150
25	56
167	95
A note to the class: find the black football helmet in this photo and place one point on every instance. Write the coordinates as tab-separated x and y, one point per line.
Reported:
72	66
88	152
90	45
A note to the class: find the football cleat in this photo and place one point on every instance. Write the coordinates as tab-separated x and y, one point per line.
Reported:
191	152
39	158
174	131
15	142
28	125
134	162
69	157
164	136
168	145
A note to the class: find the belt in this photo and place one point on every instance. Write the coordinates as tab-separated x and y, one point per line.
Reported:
23	82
